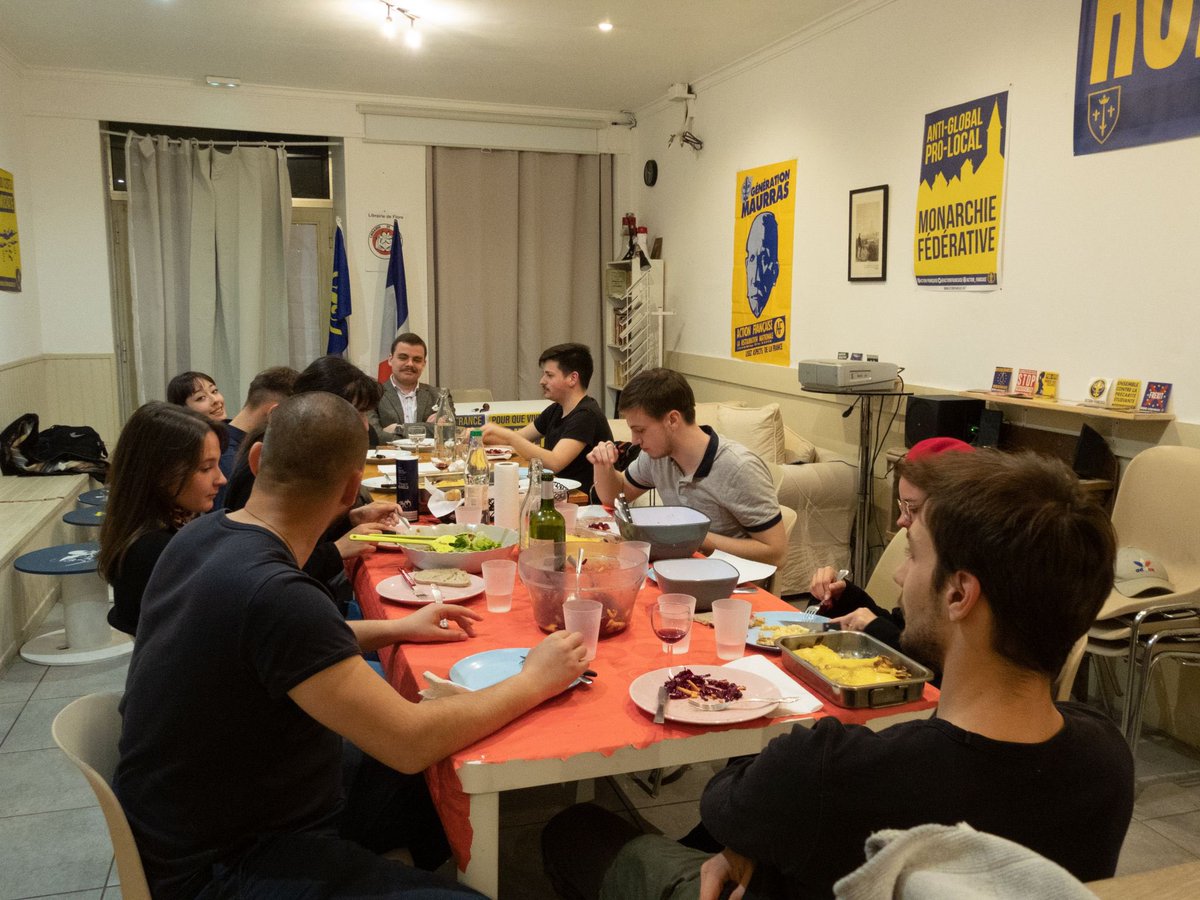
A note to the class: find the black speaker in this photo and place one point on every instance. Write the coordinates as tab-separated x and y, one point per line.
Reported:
940	416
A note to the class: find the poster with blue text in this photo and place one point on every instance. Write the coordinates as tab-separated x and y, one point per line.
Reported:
763	224
960	199
1137	80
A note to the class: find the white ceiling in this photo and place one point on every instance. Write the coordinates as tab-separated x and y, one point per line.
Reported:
527	52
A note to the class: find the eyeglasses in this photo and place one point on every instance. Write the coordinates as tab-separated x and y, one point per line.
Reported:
909	508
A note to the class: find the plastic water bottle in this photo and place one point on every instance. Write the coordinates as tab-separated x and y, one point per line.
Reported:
477	475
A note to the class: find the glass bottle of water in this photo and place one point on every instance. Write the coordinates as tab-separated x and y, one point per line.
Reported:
477	476
445	432
533	498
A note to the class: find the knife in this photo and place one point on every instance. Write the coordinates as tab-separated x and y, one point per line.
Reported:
661	709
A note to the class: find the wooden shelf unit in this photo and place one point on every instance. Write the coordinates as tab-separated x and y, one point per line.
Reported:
1070	407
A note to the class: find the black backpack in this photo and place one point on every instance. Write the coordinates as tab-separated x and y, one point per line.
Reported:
59	450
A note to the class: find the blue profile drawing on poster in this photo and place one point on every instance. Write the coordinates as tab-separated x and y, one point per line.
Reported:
762	260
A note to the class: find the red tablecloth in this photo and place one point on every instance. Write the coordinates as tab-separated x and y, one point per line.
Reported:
600	718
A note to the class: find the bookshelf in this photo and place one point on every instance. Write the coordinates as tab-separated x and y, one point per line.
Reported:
1070	407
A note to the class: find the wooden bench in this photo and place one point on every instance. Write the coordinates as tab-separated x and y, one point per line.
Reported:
31	511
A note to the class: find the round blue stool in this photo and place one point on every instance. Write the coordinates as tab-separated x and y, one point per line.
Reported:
98	497
87	636
92	516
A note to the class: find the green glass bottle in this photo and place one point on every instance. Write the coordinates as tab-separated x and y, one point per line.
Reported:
546	524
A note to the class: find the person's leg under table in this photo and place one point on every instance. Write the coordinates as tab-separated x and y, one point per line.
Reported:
310	866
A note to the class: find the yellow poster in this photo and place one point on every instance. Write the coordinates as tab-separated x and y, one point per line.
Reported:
960	196
763	225
10	246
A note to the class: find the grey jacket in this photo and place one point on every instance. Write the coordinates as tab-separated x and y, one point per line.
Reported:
390	411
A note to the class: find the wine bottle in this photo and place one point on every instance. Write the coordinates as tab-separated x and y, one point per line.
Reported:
546	524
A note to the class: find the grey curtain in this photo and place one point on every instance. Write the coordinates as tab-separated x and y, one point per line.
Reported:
519	239
207	244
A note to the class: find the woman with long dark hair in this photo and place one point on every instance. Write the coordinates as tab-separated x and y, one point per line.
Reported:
164	473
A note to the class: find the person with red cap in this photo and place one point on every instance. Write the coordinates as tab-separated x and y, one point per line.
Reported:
849	605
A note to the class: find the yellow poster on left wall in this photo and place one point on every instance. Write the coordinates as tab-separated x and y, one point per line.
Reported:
10	245
763	226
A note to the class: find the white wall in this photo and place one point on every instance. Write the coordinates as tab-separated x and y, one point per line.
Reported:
1100	272
20	326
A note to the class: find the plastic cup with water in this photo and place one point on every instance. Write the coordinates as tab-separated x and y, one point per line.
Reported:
583	616
731	621
499	576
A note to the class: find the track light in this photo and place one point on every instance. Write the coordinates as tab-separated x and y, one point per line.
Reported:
412	35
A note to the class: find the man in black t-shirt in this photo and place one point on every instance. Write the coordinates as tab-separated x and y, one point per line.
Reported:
245	679
570	426
1008	564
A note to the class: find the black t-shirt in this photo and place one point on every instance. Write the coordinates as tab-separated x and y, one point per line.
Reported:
804	807
213	752
132	576
585	423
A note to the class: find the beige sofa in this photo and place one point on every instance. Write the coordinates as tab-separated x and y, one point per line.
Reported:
819	486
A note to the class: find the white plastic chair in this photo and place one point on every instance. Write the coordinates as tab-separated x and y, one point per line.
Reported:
1157	510
87	731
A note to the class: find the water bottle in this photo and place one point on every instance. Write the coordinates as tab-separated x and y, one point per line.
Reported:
477	476
533	498
445	432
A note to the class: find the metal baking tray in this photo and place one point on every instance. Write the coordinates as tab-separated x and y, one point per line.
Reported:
854	644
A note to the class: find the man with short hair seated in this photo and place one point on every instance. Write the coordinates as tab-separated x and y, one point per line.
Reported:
565	431
690	465
268	389
1009	563
406	400
244	676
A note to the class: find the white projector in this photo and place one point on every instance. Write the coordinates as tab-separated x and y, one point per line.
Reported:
846	374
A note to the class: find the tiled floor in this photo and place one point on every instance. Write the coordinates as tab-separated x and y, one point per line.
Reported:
53	841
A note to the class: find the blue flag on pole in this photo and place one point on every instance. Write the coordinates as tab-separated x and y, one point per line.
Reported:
339	298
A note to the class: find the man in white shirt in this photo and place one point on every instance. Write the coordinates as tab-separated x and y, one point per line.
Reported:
405	400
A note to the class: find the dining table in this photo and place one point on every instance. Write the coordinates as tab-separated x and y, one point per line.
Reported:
587	731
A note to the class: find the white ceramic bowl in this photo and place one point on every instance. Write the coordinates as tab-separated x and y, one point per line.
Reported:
471	561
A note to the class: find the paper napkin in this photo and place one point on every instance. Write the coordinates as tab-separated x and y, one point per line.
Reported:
441	687
788	686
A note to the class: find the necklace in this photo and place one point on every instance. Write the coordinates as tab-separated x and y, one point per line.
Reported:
275	531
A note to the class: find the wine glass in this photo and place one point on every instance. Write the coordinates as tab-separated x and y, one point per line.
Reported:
671	620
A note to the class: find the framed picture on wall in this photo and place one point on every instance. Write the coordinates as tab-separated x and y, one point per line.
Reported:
867	252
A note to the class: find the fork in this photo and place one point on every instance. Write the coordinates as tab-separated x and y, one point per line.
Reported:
715	705
412	584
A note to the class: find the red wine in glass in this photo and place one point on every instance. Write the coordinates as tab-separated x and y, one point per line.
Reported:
671	635
671	622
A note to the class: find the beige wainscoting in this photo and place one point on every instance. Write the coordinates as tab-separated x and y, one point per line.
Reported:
63	389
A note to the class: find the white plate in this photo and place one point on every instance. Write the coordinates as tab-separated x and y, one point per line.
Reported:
381	457
397	589
777	616
482	670
569	483
406	444
380	483
498	452
748	569
643	691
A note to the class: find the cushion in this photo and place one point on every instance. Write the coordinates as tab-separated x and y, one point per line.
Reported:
757	428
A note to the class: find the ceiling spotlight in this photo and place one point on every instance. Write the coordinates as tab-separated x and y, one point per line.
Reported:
389	25
412	36
605	26
221	81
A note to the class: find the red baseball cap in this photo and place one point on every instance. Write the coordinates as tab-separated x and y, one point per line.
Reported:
935	445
